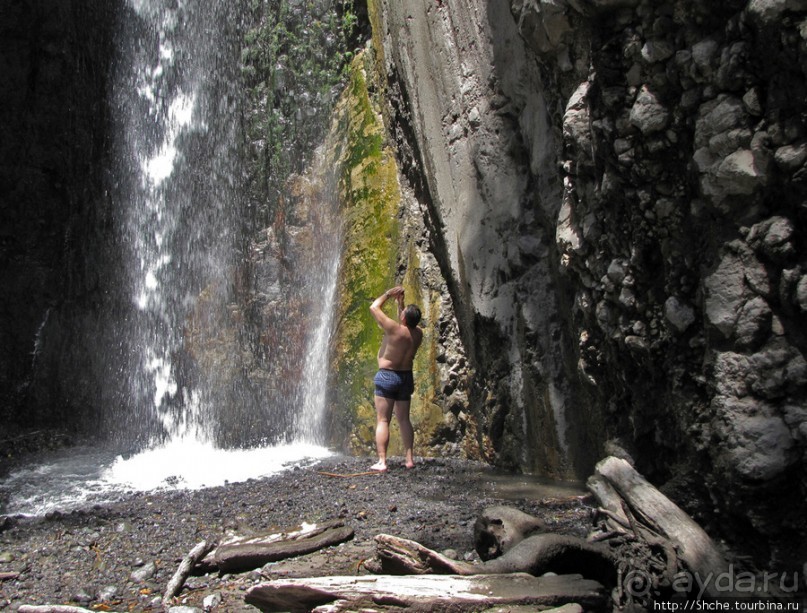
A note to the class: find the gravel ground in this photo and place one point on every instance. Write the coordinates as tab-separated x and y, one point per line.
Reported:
120	556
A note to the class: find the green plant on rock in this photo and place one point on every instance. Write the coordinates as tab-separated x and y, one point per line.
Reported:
369	196
293	62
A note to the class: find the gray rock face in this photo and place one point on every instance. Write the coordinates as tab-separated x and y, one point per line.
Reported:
487	150
661	149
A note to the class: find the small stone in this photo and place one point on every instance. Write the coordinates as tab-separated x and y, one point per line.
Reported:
738	173
105	594
679	315
636	343
791	157
773	237
617	270
703	53
211	601
648	114
753	323
82	597
657	51
752	103
718	116
144	573
724	290
801	293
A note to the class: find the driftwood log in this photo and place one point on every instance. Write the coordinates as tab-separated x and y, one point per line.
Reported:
499	528
629	497
398	556
424	592
252	552
174	586
537	554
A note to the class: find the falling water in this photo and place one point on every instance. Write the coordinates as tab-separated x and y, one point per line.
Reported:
321	275
179	126
203	384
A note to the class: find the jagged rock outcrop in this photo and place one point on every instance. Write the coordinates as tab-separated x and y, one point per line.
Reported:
616	194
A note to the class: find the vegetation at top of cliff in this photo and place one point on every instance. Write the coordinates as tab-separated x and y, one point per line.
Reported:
293	62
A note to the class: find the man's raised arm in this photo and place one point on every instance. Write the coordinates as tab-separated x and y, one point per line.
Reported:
379	315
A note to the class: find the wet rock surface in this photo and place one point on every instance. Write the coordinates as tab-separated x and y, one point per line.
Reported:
121	555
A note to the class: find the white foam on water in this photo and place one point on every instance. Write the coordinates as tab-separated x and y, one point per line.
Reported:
80	477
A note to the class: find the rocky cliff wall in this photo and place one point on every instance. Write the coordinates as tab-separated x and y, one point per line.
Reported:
466	101
616	196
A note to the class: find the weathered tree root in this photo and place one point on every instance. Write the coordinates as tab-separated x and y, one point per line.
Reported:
666	538
536	555
499	528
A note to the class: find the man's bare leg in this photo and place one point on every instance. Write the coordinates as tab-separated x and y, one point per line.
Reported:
383	413
407	432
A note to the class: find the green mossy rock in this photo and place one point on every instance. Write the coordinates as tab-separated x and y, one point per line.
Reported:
373	248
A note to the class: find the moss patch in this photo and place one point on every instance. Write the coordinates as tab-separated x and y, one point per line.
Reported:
374	243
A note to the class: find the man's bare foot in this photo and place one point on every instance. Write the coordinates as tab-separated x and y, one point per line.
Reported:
409	465
379	467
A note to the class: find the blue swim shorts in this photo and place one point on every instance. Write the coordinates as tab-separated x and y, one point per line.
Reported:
394	384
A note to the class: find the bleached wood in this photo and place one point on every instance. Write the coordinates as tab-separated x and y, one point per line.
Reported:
174	587
253	552
425	592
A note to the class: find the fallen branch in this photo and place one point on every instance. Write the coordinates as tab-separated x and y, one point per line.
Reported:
253	552
398	556
349	475
52	608
174	586
8	576
425	592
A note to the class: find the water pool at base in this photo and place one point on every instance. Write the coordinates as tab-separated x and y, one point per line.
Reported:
83	476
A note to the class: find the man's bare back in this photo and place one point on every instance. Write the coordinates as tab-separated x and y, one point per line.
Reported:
398	347
400	342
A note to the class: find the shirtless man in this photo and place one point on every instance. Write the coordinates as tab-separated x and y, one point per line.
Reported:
394	383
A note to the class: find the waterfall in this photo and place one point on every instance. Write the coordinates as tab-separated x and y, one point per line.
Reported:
178	126
215	360
321	268
224	205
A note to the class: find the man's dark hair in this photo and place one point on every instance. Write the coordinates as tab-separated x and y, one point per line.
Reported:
412	316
